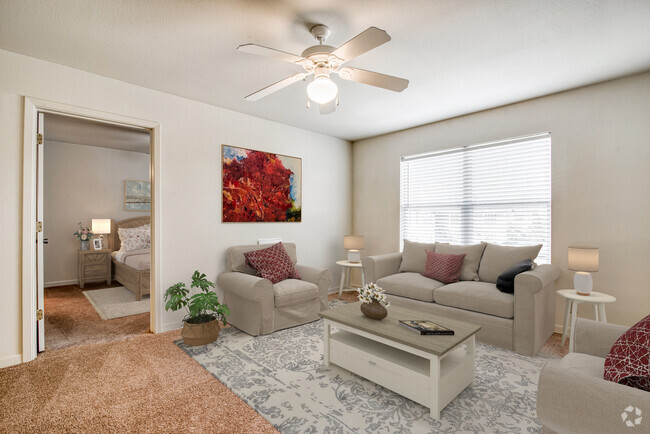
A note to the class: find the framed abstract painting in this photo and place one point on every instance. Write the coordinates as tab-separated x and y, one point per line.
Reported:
260	186
137	196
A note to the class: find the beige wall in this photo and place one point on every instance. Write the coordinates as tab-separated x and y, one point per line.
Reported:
82	183
191	138
600	175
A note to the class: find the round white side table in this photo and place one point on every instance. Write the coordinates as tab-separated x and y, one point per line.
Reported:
345	274
573	299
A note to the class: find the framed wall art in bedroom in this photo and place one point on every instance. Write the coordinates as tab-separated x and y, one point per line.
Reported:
137	196
260	186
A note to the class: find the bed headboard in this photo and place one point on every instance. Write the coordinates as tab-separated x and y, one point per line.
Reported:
128	223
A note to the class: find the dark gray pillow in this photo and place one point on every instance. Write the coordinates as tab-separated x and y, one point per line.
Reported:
506	280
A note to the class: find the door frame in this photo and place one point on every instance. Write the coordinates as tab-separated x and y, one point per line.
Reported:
32	107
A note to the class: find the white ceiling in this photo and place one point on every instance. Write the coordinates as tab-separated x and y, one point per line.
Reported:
78	131
460	56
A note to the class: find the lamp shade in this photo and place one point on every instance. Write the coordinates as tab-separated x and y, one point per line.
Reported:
322	90
353	242
101	226
583	258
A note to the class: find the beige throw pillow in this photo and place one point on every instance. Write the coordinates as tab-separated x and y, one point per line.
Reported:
414	257
473	253
497	259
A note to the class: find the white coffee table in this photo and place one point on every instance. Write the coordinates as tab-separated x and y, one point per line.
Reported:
573	299
430	370
345	274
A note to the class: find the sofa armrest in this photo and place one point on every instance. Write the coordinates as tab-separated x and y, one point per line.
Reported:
246	286
376	267
534	280
571	401
596	338
321	277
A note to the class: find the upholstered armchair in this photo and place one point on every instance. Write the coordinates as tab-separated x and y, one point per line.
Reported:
258	306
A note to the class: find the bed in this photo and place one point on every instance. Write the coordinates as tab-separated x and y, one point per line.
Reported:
131	269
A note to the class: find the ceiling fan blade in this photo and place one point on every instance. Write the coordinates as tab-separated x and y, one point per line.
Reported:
384	81
270	52
363	42
329	107
275	87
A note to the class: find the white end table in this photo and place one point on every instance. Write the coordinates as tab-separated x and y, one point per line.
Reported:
573	299
345	274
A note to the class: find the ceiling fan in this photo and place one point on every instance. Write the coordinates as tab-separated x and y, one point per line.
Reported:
322	60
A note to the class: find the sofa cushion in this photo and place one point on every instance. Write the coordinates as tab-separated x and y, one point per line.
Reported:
477	296
473	253
291	291
410	285
584	363
414	256
443	268
506	280
497	259
628	362
272	263
237	261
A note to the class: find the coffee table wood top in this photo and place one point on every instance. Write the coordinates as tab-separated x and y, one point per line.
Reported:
350	315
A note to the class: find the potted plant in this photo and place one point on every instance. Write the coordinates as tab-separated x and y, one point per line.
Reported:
373	301
204	310
84	235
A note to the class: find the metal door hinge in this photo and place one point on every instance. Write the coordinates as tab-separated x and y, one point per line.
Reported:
39	226
39	138
39	314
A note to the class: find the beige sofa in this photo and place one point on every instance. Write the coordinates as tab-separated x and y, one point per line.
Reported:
259	307
573	396
522	321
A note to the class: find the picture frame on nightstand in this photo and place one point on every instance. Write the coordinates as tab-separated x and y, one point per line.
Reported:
97	244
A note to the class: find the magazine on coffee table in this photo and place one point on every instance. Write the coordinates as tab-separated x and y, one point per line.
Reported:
425	327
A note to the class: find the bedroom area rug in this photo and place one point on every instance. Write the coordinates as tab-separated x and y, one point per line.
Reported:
282	377
116	302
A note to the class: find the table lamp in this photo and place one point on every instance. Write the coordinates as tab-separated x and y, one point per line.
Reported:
353	243
101	227
582	260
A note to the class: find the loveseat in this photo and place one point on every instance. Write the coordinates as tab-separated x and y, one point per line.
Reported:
522	321
258	306
574	397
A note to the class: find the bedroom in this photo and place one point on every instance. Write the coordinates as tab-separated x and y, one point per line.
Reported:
87	169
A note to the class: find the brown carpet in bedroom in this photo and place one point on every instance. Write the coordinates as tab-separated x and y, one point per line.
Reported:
71	320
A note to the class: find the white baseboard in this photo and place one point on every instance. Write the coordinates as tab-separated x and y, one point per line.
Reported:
171	326
60	283
14	359
335	289
558	328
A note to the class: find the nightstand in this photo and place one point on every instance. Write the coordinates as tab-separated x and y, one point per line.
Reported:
94	265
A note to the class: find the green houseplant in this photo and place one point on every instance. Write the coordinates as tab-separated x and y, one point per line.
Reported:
203	310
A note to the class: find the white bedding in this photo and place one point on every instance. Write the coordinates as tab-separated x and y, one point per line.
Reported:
138	259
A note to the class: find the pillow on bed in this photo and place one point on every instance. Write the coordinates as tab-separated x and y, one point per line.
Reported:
134	238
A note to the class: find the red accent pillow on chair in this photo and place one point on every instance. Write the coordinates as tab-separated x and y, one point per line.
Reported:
442	267
628	362
272	263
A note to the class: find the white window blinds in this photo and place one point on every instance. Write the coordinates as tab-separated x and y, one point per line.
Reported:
498	192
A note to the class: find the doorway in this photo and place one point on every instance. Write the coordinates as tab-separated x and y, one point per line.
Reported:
34	228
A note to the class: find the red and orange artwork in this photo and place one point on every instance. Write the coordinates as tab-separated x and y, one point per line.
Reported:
260	186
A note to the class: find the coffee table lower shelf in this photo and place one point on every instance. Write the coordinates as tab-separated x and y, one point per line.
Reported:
415	374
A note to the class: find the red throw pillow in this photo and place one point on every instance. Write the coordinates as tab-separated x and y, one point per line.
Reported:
628	362
443	268
272	263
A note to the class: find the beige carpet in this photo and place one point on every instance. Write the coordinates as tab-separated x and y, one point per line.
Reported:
71	320
116	302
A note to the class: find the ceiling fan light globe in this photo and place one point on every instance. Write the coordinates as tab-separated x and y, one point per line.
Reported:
322	90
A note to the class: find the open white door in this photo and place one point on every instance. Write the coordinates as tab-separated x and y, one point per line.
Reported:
40	292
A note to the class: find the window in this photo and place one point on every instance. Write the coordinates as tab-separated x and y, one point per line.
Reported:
498	192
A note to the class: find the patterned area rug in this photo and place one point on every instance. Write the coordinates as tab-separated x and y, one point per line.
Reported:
282	377
116	302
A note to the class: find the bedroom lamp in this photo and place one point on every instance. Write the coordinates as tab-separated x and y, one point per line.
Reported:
353	243
582	260
101	227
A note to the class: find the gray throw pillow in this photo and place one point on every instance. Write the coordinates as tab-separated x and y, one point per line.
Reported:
497	259
414	257
473	253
